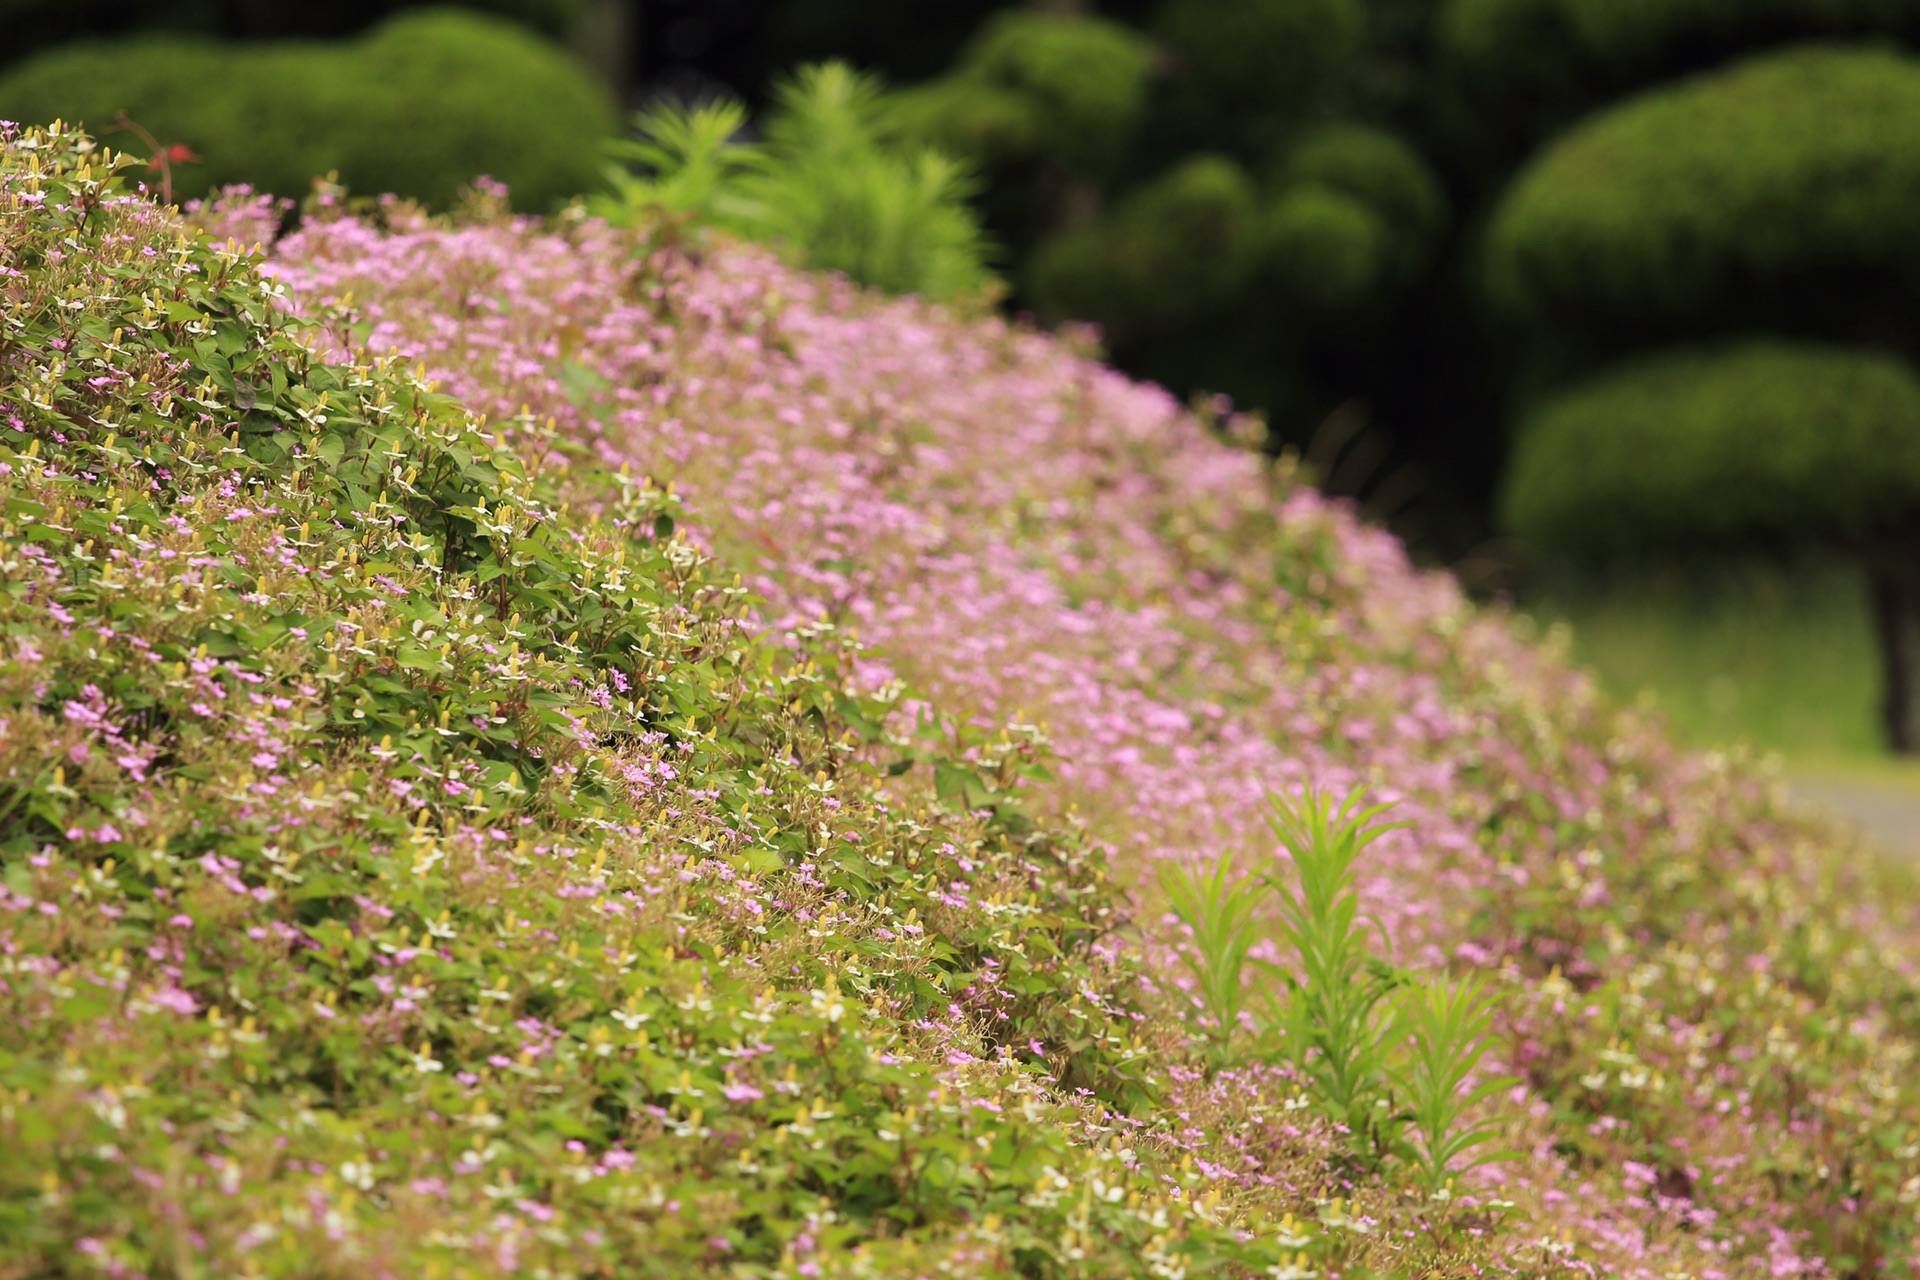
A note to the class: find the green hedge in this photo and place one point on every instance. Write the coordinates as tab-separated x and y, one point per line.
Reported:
420	106
1173	250
1037	84
1776	173
1753	443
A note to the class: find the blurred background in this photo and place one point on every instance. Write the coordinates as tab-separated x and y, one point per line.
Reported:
1608	305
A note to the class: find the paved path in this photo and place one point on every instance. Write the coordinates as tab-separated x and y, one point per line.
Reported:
1887	810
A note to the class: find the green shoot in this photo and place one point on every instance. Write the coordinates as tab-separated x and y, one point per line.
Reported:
1388	1053
1338	1015
832	184
1221	910
1447	1022
685	164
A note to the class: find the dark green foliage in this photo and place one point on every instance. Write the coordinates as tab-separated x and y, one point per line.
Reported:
1535	58
419	107
1273	55
1356	222
1032	84
1176	249
1327	251
1689	203
1380	171
1758	442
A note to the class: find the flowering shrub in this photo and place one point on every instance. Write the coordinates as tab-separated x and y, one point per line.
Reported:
422	854
1711	1017
411	865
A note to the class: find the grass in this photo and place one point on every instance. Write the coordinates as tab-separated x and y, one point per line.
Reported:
1783	658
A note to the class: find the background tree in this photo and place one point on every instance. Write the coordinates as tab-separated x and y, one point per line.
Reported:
419	106
1778	196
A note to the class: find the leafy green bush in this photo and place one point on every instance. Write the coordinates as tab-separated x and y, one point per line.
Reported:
1326	250
1383	173
1172	250
1568	51
1031	84
1267	54
831	185
1751	182
420	106
1759	441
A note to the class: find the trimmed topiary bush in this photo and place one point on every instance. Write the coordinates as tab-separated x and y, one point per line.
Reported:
1172	250
1032	84
1273	55
1378	169
1327	251
1760	441
1357	220
420	107
1563	52
1735	188
1764	443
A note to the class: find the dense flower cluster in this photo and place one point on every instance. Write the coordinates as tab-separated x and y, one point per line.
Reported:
1714	1033
411	865
421	854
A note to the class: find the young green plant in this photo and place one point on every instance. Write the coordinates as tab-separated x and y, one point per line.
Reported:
1394	1056
1338	1015
1446	1023
832	183
1221	908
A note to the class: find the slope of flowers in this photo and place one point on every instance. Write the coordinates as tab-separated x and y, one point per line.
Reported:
412	865
1716	1022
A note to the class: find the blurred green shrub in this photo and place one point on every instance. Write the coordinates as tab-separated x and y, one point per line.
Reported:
1379	170
1357	220
833	185
1761	442
420	106
1176	248
1033	84
1526	55
1325	250
1269	55
1765	177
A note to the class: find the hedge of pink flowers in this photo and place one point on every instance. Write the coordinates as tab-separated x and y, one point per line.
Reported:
1716	1020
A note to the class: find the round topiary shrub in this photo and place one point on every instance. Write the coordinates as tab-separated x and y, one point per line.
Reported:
1325	250
1377	169
1690	202
1033	83
1761	442
1272	54
1172	250
1543	50
420	106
